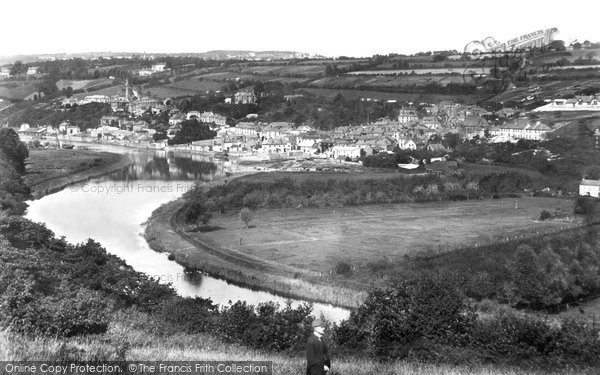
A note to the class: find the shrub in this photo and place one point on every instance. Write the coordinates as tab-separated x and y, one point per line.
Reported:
191	315
430	308
266	326
545	215
343	268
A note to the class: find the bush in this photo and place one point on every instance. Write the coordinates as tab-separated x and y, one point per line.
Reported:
431	308
343	268
545	215
266	326
191	315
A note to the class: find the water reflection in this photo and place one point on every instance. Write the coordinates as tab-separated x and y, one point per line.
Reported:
170	166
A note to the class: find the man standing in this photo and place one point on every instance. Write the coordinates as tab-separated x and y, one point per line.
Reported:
317	355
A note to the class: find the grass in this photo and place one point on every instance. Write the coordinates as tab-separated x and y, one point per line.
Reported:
18	89
51	170
198	86
88	84
165	235
295	251
317	239
382	95
127	340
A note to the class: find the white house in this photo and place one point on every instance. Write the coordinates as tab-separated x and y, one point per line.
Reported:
521	129
344	151
407	144
579	103
407	115
589	187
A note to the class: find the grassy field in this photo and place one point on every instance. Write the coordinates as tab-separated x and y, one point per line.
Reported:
287	70
86	85
51	170
18	89
349	81
317	239
382	95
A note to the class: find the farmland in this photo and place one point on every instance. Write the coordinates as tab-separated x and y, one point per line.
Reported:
85	84
383	95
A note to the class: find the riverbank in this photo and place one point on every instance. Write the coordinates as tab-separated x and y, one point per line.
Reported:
49	171
164	233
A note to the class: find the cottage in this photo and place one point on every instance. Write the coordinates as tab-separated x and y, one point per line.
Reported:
589	188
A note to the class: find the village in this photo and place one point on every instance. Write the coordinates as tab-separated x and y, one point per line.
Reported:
417	126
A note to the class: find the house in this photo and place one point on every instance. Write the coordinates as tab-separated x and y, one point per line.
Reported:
589	188
407	115
209	117
407	144
32	70
26	132
244	97
158	68
276	145
344	151
430	122
521	128
4	72
246	128
68	129
306	143
276	129
579	103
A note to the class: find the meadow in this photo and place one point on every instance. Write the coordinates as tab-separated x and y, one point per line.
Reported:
317	239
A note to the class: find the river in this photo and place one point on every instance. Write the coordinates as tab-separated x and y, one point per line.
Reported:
112	211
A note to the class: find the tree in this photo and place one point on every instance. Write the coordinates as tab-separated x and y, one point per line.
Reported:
192	130
451	140
13	148
557	45
18	68
246	216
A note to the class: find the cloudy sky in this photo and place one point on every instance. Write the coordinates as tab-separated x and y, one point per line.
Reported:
327	27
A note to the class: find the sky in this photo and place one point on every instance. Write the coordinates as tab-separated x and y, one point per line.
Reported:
326	27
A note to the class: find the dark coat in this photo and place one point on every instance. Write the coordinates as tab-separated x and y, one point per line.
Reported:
317	356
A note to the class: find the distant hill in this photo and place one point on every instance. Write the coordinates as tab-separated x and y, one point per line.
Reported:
217	54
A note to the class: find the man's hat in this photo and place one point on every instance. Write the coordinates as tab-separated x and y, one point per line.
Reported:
317	323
